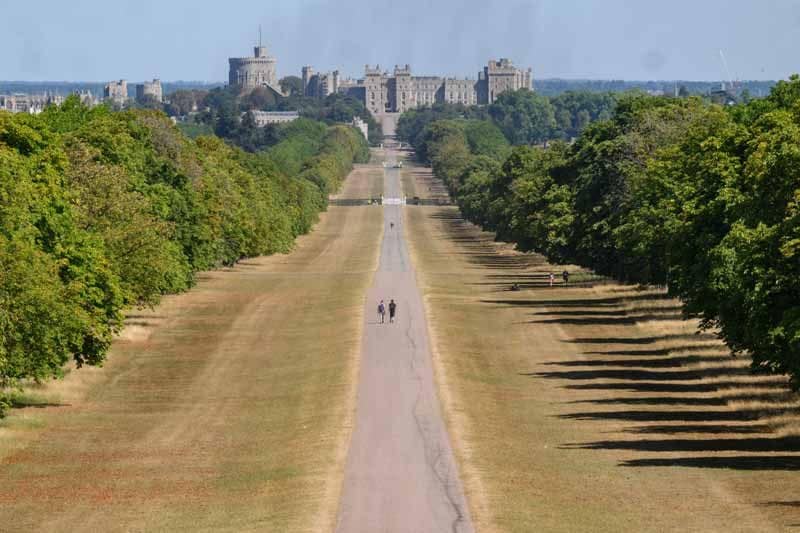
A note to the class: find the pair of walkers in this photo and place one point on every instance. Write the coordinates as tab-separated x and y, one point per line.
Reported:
382	311
564	276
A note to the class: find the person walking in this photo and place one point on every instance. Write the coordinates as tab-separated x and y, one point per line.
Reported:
392	311
565	275
552	279
381	311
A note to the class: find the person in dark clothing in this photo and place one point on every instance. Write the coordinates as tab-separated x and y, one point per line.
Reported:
565	275
381	311
392	310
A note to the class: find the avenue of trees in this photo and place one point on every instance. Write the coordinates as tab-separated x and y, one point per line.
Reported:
670	191
102	211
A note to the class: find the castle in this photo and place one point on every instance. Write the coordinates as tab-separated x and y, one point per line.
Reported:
116	92
401	91
150	89
247	73
384	93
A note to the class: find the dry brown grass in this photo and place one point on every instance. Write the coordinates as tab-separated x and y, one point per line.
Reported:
595	407
226	408
366	181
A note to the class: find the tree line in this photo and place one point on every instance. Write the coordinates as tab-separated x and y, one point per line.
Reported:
102	211
524	116
224	112
679	192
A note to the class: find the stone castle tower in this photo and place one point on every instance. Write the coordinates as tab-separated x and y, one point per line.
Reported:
247	73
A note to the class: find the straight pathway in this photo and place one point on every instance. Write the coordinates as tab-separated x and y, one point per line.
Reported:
401	474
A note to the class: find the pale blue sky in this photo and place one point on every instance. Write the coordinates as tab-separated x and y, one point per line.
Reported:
93	40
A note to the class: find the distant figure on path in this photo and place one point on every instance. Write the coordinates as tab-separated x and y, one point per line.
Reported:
552	279
392	310
391	225
381	311
565	275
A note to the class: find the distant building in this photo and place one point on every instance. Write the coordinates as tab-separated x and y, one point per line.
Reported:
319	85
87	98
501	76
381	92
361	126
265	118
401	91
247	73
28	103
116	92
150	89
724	95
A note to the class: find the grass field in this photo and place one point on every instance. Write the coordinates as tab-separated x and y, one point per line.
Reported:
594	406
366	181
226	408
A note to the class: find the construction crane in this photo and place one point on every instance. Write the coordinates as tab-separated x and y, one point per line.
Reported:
725	66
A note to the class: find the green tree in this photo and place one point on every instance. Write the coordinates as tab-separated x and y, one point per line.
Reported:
524	116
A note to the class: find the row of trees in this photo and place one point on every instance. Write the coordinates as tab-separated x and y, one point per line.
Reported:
675	192
101	211
523	116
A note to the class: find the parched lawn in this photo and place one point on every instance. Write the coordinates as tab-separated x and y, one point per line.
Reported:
594	406
226	408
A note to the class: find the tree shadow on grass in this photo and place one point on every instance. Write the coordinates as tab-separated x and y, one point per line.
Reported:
642	340
542	304
657	352
626	320
655	400
478	248
677	391
653	362
707	401
708	429
24	401
743	462
651	386
721	415
747	444
640	375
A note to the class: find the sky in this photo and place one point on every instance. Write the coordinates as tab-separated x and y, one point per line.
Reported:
94	40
